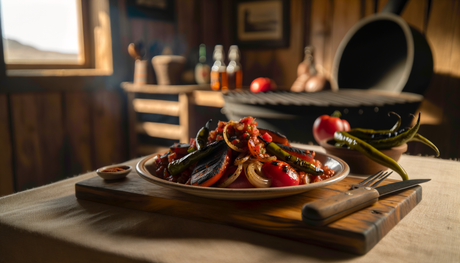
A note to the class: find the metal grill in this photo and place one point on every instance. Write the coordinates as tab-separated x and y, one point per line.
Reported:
344	98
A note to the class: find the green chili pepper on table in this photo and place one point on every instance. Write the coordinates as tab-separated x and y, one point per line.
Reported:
419	138
369	151
402	137
369	134
296	162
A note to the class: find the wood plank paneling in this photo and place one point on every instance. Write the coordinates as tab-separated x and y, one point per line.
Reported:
51	131
211	22
6	154
108	134
188	10
345	15
290	58
78	129
38	138
414	14
440	35
367	7
452	106
320	32
28	161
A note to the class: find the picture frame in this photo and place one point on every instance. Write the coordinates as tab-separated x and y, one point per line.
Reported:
261	23
159	10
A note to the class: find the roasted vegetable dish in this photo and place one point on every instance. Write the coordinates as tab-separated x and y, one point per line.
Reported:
238	154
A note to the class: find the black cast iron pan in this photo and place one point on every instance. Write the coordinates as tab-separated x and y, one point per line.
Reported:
383	52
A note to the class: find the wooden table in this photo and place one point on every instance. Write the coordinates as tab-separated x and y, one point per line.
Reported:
49	224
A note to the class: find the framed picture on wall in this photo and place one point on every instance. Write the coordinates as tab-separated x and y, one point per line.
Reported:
261	23
160	10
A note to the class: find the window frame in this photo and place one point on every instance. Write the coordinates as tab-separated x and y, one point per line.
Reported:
82	14
97	46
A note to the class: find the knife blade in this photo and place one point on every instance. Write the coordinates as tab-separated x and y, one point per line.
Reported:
327	210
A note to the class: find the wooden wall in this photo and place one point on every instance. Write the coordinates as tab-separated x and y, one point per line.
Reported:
53	134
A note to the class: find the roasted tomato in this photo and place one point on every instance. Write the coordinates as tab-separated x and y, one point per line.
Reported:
325	126
180	148
281	173
276	137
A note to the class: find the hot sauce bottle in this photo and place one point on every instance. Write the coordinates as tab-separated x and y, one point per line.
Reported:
234	70
219	78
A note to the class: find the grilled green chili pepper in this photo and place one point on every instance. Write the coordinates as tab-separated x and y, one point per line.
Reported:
369	134
369	151
179	165
202	136
419	138
296	162
402	137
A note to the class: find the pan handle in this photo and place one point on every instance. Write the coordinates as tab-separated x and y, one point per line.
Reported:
394	6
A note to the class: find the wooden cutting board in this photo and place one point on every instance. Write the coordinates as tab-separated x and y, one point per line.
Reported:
356	233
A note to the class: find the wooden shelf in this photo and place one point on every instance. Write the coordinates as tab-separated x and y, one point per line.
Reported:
162	89
188	95
208	98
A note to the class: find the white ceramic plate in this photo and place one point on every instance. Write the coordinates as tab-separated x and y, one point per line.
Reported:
341	171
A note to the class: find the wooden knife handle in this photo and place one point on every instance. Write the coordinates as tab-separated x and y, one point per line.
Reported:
327	210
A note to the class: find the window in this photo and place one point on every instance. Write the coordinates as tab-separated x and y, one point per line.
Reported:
42	32
67	36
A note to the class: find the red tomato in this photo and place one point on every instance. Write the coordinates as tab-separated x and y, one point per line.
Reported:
325	126
262	85
267	137
281	173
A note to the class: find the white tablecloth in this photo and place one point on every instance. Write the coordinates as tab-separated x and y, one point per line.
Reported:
49	224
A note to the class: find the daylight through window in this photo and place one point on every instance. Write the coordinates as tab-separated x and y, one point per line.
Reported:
42	32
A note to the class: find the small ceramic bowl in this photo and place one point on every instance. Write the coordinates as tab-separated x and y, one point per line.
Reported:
358	162
106	173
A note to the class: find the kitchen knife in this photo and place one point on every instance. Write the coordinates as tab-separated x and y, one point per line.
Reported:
327	210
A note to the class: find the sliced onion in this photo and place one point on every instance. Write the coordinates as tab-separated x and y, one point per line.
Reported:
268	159
232	177
255	175
231	145
241	158
260	157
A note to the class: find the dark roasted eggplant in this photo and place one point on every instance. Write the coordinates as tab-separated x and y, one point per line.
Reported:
179	165
211	168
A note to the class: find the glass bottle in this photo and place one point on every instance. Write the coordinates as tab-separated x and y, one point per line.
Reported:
234	70
202	70
219	79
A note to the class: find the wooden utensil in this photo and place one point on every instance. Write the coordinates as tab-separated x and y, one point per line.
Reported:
134	52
